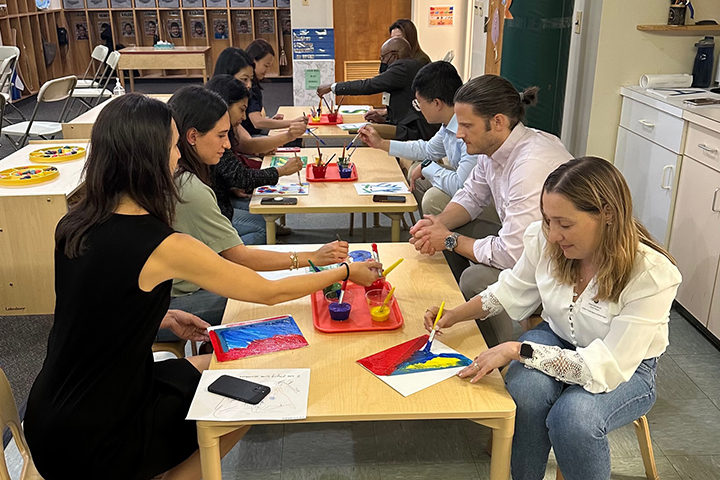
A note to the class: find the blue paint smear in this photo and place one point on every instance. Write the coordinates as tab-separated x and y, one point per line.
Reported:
421	356
241	336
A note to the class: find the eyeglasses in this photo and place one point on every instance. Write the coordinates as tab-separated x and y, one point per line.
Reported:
416	104
384	55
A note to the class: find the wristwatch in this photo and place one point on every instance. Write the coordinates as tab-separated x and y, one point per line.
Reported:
526	351
425	163
451	241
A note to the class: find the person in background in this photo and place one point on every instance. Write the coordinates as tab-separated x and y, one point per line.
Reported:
397	71
406	29
606	288
231	176
234	61
263	56
105	405
175	31
432	183
199	30
203	124
485	221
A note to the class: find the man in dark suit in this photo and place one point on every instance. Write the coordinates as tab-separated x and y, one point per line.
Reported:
397	71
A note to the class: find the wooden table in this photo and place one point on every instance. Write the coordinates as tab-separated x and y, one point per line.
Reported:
331	131
341	197
81	126
150	58
343	391
28	217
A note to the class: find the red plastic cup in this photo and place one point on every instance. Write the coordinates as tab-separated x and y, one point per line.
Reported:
319	171
378	284
332	117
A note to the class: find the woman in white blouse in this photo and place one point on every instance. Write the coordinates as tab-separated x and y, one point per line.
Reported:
606	289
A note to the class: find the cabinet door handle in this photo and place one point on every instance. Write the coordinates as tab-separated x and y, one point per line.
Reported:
663	184
712	151
712	207
646	123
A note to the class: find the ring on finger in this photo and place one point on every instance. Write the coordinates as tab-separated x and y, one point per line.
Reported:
476	365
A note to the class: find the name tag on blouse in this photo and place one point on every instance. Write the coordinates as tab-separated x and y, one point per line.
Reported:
386	98
596	310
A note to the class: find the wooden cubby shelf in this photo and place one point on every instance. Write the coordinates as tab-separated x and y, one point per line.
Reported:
215	23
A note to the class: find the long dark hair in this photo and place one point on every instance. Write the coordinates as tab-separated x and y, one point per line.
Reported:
259	49
231	61
129	156
490	95
229	88
195	107
409	30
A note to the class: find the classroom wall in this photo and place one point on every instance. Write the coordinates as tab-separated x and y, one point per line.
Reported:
437	40
624	54
317	14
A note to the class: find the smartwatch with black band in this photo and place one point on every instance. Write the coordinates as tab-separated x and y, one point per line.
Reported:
526	351
425	163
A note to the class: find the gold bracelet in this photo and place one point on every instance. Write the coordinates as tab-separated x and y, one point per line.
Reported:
294	261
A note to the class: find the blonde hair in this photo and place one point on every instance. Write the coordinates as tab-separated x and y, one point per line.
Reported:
595	186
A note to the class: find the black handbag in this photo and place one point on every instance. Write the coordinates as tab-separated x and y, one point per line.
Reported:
49	52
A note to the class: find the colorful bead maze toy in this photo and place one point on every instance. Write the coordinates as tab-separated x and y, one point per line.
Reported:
27	175
57	154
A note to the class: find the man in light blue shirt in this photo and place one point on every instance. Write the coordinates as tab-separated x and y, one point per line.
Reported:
432	182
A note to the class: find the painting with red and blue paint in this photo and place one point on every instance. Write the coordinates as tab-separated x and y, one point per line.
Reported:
412	357
258	337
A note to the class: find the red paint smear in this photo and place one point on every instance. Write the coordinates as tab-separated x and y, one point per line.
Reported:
259	347
385	362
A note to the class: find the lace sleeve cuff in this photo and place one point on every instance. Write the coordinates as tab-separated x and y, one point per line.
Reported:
563	365
490	303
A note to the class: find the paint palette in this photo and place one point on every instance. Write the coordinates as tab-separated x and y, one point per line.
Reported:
291	189
258	337
332	174
28	175
359	320
280	161
57	154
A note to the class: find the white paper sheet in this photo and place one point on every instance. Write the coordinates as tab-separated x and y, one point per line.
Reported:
354	109
287	400
382	188
351	126
409	383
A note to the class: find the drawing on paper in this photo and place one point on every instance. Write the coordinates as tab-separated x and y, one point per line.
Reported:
381	188
289	189
259	337
411	357
280	161
280	399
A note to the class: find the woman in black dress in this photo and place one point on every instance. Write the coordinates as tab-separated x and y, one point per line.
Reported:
100	407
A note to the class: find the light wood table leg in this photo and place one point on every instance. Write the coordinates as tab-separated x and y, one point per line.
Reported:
395	226
121	78
132	80
502	435
270	227
204	76
376	220
210	461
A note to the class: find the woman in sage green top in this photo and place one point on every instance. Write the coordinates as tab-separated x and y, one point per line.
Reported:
203	124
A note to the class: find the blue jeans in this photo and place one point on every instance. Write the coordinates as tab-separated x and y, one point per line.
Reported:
250	226
567	417
206	305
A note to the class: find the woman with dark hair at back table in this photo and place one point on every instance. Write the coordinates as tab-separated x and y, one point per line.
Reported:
231	177
406	29
100	407
234	61
263	56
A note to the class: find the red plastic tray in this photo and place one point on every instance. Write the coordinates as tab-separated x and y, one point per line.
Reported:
324	120
359	320
332	174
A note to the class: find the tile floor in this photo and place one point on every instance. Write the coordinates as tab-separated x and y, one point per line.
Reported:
684	424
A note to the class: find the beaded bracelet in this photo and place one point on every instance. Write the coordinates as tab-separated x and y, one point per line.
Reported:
347	268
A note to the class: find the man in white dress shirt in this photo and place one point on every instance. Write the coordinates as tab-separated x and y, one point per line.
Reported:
432	183
513	162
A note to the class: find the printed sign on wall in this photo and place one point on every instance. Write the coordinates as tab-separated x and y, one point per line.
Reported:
441	15
313	43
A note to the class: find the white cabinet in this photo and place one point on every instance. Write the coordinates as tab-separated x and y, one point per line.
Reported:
695	238
714	319
650	171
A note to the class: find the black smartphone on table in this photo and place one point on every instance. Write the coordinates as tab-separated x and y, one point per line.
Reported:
279	201
389	198
239	389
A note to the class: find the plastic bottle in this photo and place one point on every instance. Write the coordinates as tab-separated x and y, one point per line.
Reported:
118	90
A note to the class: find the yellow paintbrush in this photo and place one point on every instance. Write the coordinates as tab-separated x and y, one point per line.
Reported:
390	268
432	334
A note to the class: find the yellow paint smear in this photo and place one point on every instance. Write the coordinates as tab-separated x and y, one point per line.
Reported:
437	362
380	314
